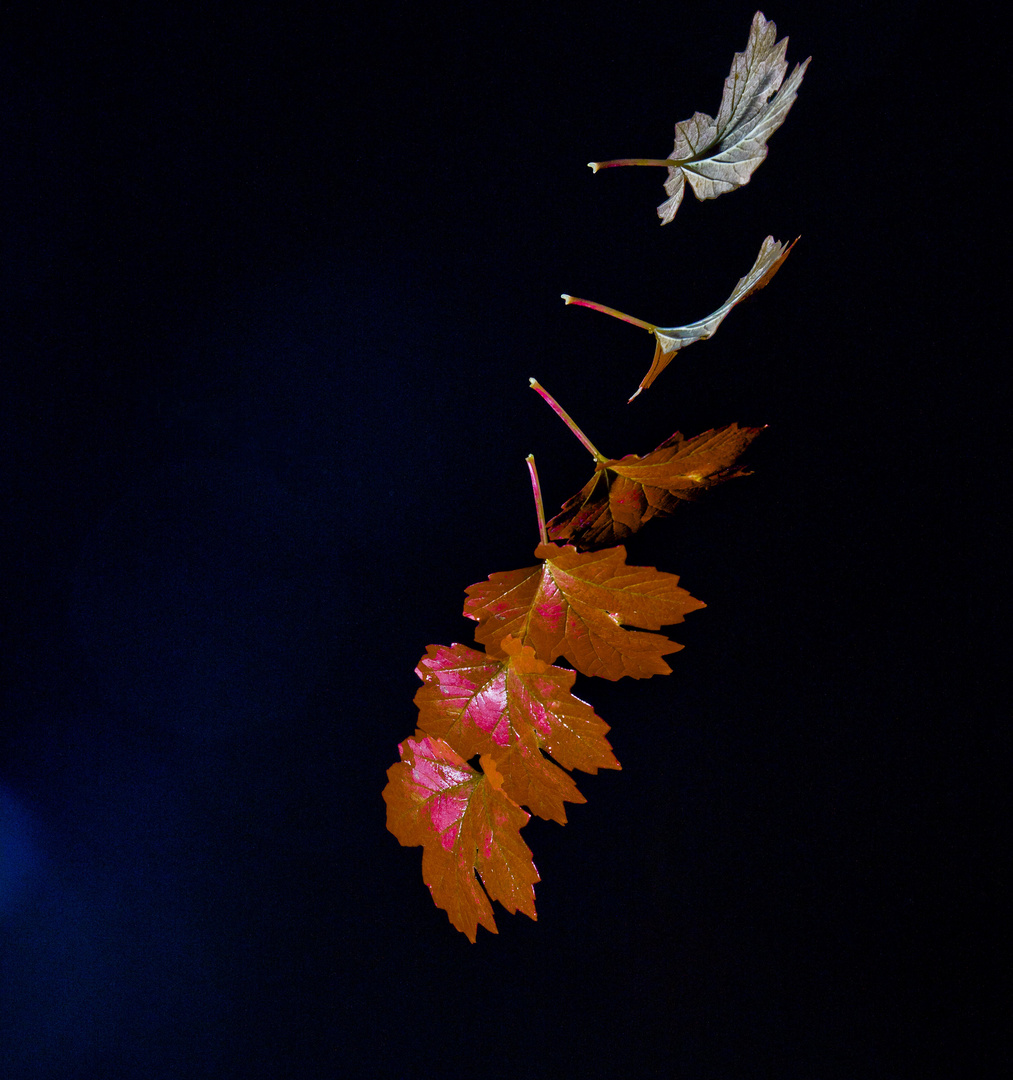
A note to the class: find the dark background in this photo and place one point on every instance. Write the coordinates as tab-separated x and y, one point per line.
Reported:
274	285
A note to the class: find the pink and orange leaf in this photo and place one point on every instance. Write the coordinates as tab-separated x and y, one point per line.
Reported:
517	709
577	605
466	825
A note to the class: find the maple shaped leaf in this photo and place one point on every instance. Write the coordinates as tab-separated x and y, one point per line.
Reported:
670	339
577	604
465	823
512	709
625	493
719	154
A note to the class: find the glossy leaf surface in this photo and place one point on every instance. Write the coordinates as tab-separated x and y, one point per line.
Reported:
513	709
577	605
625	493
465	824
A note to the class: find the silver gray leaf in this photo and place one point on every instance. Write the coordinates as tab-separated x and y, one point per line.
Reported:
719	155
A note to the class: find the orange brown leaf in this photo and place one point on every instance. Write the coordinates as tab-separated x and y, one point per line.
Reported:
465	823
577	605
625	493
514	709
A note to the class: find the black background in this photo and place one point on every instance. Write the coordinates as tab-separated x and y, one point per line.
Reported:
274	284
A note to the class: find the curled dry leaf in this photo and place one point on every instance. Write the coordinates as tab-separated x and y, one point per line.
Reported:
513	709
465	823
719	154
625	493
670	339
576	605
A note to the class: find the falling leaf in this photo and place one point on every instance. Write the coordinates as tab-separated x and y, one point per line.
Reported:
513	709
625	493
720	154
465	823
670	339
576	605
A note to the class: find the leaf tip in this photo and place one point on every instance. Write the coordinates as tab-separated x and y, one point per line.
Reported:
566	298
593	166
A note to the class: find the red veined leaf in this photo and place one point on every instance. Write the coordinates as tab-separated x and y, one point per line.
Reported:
576	605
465	823
514	708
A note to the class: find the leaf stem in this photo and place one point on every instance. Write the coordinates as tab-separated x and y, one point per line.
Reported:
667	163
565	417
609	311
536	490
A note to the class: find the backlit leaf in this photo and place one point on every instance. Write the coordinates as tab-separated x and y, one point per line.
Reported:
576	605
625	493
465	823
